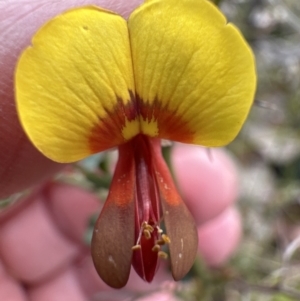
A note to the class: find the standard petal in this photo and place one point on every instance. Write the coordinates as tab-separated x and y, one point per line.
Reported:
194	73
73	85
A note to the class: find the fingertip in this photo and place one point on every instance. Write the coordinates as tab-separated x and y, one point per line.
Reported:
220	237
31	246
61	288
89	279
159	296
72	208
208	182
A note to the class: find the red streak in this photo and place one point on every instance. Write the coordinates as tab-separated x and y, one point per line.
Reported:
107	133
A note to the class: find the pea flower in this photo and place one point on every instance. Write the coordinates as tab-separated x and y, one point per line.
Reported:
92	81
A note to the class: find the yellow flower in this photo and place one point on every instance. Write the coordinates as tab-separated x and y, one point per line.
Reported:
92	81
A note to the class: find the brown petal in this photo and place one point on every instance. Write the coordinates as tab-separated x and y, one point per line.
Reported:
179	222
113	235
182	231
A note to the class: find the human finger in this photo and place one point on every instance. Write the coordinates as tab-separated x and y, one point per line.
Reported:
208	181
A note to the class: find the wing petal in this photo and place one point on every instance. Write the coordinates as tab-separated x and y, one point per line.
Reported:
113	236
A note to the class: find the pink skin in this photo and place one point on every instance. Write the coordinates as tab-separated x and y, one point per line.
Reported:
163	296
210	172
219	237
40	238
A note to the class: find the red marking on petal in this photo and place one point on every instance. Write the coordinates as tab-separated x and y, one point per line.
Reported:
108	132
171	125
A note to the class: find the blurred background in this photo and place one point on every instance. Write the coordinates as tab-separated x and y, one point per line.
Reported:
268	155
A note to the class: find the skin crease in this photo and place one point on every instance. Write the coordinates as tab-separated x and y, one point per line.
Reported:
40	238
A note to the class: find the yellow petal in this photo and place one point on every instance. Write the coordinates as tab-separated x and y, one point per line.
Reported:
73	85
194	74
